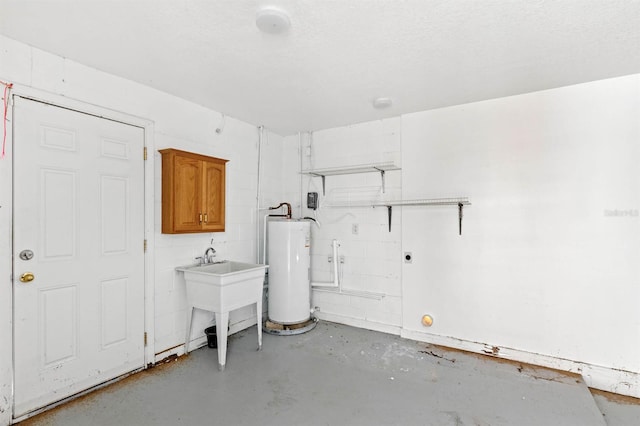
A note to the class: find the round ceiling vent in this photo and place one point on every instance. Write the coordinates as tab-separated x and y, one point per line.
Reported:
272	20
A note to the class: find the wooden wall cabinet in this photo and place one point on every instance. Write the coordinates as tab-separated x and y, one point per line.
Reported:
193	192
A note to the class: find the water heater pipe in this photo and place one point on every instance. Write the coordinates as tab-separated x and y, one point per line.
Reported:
287	205
336	282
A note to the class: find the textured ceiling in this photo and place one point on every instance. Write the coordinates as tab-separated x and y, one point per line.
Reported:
338	55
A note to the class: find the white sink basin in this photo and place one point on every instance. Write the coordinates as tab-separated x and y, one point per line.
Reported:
220	288
223	273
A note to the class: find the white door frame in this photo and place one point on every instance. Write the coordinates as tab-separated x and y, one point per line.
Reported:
6	232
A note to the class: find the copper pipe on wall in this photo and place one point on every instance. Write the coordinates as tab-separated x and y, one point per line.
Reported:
288	215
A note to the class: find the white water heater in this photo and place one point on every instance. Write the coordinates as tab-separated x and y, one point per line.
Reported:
289	245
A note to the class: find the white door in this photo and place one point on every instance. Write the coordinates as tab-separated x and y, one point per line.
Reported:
79	230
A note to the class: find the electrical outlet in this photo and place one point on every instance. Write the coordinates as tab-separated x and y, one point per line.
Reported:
330	259
355	229
341	259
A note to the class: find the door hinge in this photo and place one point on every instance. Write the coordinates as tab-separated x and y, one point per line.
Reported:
145	338
144	153
145	246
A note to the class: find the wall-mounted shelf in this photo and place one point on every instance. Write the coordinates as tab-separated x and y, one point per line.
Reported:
426	202
460	202
350	170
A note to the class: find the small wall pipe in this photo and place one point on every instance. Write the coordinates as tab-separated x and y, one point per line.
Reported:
287	205
332	286
264	240
260	136
300	172
336	281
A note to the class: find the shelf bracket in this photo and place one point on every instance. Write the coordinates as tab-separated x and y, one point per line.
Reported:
460	207
389	209
321	176
381	177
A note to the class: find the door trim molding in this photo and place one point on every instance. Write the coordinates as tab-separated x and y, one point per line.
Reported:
6	228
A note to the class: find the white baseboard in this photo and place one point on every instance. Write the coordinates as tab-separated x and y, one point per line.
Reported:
595	376
604	378
244	324
356	322
202	340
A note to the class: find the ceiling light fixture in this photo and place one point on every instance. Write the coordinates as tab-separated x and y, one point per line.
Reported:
272	20
381	103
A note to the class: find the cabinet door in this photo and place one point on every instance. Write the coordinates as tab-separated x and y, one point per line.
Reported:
187	209
213	196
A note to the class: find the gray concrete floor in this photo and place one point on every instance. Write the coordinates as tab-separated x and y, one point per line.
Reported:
618	410
339	375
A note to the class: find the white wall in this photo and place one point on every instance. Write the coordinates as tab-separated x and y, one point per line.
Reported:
238	143
279	181
371	256
542	267
546	269
176	123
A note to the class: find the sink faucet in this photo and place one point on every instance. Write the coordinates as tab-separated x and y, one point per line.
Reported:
208	258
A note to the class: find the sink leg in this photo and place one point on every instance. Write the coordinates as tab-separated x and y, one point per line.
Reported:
188	334
259	317
222	322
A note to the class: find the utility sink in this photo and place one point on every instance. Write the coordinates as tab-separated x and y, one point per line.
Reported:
224	272
220	288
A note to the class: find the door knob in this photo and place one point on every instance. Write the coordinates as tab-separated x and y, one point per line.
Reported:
26	277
